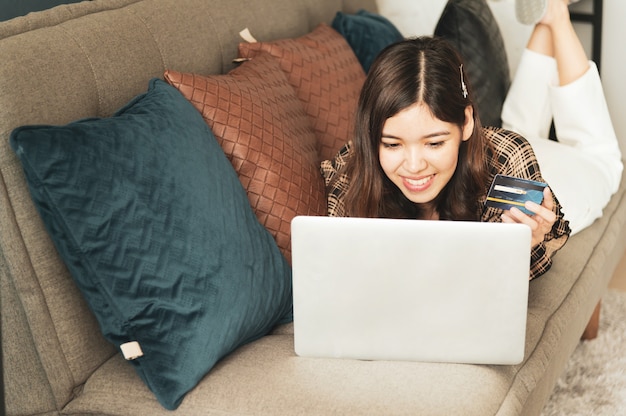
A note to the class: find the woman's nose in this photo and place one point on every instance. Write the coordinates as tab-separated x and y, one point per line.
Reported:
414	160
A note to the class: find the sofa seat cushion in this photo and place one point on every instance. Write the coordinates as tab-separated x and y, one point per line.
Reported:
268	375
157	231
263	129
327	77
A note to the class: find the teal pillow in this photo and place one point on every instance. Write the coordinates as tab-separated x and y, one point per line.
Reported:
157	231
367	34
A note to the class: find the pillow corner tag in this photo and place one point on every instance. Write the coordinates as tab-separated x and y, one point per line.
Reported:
131	350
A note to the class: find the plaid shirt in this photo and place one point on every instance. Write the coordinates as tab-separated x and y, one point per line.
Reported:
513	156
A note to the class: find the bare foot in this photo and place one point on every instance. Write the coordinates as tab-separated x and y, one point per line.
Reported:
556	13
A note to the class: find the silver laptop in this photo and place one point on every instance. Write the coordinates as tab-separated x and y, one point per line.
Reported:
389	289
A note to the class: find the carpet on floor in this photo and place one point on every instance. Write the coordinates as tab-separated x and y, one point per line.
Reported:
594	381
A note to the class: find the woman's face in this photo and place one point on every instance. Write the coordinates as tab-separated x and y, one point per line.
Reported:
419	153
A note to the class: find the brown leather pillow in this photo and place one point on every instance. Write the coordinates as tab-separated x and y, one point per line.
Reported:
327	78
263	129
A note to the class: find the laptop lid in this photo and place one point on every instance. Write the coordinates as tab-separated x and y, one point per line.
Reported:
391	289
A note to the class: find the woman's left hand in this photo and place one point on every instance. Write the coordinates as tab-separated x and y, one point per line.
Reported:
541	223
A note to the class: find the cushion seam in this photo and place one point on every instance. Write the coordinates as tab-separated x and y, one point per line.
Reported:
91	66
3	264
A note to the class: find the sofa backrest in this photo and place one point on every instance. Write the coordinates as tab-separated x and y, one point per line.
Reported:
85	60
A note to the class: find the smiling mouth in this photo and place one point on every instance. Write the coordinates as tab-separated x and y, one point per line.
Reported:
418	185
418	182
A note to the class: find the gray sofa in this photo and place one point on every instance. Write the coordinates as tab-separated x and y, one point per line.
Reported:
88	59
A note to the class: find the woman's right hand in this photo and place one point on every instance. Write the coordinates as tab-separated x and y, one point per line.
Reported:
540	223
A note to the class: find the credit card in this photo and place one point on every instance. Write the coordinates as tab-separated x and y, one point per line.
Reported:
507	192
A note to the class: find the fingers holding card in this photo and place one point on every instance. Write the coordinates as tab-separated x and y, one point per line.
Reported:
524	201
540	220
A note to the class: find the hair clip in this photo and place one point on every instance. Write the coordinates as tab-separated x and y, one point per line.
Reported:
463	86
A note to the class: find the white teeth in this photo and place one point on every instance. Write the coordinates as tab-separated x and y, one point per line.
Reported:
418	182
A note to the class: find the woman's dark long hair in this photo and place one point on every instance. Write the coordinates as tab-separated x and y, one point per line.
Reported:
420	70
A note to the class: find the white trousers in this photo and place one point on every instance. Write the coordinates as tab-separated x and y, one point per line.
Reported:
584	167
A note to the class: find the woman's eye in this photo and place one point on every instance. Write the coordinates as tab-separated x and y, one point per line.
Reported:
390	145
435	144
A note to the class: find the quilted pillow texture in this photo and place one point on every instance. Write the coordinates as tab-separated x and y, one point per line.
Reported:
156	229
367	34
472	28
327	78
264	131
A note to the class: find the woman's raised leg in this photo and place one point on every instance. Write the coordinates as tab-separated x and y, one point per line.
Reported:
527	108
555	80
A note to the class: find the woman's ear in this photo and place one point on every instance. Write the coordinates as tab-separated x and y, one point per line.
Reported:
468	126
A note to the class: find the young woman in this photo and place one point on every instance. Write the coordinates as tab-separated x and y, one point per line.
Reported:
420	152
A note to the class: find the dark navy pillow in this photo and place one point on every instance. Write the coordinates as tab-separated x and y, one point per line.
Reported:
366	33
472	28
157	231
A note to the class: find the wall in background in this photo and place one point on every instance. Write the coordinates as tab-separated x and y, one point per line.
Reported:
13	8
613	61
613	65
